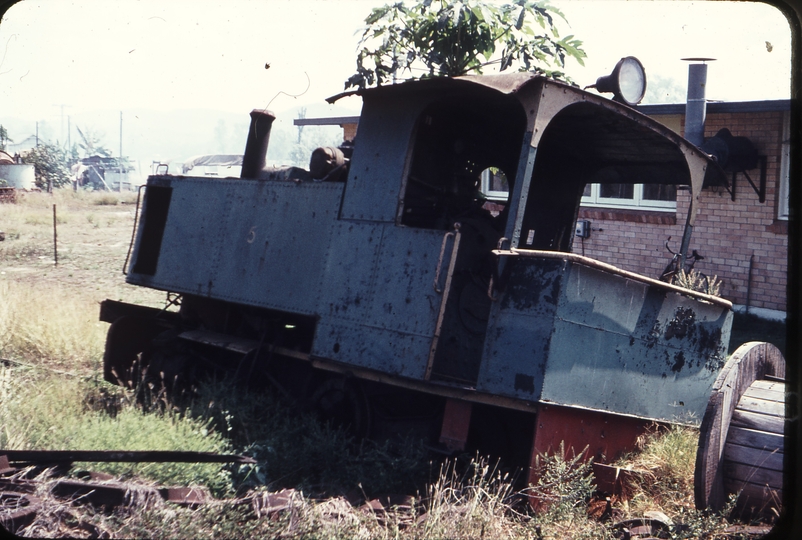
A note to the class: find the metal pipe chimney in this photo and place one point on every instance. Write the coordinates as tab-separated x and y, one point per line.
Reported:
696	104
256	146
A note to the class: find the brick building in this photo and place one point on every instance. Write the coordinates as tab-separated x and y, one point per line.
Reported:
737	234
744	241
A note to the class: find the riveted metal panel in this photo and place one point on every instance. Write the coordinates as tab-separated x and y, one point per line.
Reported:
188	201
346	287
633	348
569	334
381	276
387	351
379	160
403	297
378	304
519	329
259	243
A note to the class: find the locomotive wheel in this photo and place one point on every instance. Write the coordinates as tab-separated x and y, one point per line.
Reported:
342	403
168	373
127	339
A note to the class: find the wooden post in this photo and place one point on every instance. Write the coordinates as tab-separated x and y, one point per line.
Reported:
55	237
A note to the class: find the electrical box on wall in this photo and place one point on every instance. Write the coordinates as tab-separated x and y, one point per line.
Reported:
583	228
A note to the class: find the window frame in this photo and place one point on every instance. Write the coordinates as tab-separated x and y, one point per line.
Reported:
637	201
495	196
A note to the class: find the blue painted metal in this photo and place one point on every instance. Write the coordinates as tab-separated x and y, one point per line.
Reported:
379	311
254	243
520	191
379	160
563	330
579	335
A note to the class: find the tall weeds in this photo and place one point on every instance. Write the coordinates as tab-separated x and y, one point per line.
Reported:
50	327
476	503
667	460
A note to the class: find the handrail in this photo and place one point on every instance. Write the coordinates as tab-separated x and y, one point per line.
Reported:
594	263
133	232
451	234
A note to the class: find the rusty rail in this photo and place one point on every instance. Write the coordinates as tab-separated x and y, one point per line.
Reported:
122	456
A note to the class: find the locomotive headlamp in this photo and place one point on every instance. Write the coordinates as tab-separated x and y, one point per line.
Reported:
627	82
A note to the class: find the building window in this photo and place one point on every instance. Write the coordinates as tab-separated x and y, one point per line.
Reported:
495	185
642	196
785	161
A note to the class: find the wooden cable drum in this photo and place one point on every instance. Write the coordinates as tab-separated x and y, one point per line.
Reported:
741	437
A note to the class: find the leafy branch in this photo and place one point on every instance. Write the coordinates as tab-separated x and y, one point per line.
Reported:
448	38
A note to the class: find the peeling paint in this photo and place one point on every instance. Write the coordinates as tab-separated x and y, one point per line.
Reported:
524	383
679	362
682	324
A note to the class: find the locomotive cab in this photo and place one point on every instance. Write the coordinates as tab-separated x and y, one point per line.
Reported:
405	278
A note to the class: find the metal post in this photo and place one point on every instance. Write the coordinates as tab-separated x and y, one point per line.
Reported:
696	104
120	187
55	237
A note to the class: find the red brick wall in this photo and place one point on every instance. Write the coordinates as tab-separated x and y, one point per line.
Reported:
727	233
349	131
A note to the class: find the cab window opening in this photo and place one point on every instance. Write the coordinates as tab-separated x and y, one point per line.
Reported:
458	149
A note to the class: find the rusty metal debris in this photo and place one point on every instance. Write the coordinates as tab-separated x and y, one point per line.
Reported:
39	457
18	506
618	481
8	195
105	495
17	510
643	528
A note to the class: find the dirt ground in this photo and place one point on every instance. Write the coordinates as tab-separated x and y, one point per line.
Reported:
92	242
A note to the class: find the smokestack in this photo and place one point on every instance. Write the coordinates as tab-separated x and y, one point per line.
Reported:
256	147
696	104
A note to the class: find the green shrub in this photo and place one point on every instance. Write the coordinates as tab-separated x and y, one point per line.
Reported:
50	165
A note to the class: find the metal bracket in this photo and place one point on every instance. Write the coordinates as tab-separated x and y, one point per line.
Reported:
761	189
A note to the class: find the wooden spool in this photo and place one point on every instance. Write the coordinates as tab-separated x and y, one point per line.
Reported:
741	436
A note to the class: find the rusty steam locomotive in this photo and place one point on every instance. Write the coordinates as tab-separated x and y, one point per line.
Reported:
379	287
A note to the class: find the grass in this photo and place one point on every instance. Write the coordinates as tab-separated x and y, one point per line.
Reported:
55	327
46	410
294	449
667	462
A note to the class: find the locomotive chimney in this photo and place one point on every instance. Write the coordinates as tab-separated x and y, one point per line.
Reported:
696	104
256	147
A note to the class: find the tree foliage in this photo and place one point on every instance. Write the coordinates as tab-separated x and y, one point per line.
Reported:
50	165
4	140
456	37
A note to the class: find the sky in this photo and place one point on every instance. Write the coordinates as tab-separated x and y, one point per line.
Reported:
68	57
